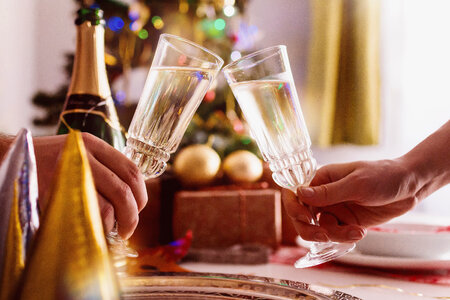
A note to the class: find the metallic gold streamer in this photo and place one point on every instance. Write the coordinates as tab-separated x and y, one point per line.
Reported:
381	286
70	258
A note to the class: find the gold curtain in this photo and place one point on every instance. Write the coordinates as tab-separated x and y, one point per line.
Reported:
342	93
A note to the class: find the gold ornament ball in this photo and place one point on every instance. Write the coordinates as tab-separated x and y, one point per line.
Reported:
196	165
243	166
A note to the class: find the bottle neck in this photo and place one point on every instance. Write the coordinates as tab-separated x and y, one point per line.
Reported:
89	71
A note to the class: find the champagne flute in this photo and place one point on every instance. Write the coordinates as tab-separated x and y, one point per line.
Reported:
179	77
263	85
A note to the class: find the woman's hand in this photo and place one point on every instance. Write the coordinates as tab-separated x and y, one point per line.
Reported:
120	186
348	198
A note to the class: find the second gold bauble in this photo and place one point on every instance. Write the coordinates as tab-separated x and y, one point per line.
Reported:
242	166
196	165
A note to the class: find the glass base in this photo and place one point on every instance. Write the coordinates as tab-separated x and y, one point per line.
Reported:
119	251
150	160
320	253
118	246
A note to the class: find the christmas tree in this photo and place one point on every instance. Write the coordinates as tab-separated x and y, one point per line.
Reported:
132	32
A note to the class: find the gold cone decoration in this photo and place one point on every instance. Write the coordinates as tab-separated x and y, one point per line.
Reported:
70	258
19	218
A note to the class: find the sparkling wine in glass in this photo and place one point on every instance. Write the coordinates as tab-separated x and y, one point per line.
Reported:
179	78
264	88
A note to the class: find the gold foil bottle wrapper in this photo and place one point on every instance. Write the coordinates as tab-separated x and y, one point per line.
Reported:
70	258
19	218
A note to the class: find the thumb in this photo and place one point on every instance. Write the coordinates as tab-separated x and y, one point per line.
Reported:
323	195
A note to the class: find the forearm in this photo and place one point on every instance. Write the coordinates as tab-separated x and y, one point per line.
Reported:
5	141
429	161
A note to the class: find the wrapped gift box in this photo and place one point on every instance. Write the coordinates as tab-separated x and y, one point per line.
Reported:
223	218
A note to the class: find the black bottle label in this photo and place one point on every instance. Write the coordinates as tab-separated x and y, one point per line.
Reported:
89	113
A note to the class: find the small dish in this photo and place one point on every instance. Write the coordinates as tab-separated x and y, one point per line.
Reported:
407	240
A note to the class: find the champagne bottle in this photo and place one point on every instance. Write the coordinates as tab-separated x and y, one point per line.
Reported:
89	106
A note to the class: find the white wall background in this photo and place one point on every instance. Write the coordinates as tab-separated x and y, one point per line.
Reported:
17	63
415	67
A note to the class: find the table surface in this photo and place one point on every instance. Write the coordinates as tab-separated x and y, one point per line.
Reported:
365	286
359	285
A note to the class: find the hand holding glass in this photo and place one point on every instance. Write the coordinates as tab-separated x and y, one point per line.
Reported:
264	88
179	77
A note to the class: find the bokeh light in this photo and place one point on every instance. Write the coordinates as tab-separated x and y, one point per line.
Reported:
115	23
134	26
220	24
210	96
229	10
133	15
235	55
120	97
143	34
183	7
157	22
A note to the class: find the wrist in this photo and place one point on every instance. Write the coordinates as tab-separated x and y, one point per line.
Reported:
426	173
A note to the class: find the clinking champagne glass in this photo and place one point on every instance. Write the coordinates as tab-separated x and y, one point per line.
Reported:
179	77
263	85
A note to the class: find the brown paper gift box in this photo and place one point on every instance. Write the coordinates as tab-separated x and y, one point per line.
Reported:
222	218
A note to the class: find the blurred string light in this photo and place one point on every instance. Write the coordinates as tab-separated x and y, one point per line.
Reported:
120	97
143	34
229	10
235	55
206	10
157	22
115	23
209	96
213	28
134	26
110	60
220	24
133	15
183	7
246	37
229	2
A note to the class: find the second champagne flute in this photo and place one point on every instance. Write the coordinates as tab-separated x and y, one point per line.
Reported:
264	88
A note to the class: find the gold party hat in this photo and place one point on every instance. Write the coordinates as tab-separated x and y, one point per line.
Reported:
70	259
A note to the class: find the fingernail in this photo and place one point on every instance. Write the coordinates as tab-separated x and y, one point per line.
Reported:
307	192
321	237
355	234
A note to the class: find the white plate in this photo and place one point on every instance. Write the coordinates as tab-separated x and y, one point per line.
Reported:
386	262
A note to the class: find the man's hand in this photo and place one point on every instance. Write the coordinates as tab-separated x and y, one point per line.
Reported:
120	186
